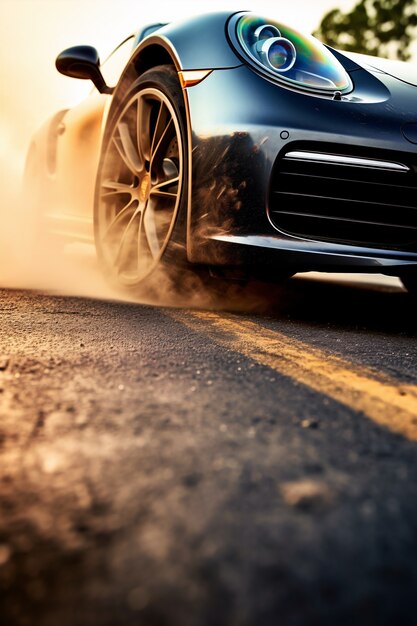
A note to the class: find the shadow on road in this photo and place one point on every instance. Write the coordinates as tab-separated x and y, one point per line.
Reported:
349	305
374	306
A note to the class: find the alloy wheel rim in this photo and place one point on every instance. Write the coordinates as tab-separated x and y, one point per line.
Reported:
140	186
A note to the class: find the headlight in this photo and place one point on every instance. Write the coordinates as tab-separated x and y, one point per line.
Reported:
276	52
300	60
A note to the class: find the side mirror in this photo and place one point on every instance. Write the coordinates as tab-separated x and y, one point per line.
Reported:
82	62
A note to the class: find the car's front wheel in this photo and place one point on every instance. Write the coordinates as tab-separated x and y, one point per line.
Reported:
142	181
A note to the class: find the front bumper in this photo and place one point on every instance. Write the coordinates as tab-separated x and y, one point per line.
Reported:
241	123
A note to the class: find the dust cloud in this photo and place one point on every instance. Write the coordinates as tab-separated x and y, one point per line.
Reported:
35	260
28	261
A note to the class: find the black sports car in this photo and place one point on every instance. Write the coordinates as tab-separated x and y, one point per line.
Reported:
234	142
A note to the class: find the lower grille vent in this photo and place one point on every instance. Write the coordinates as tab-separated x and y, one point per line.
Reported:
345	199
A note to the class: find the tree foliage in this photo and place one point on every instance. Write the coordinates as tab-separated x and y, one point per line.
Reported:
377	27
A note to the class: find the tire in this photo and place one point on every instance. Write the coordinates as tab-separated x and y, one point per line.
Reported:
141	190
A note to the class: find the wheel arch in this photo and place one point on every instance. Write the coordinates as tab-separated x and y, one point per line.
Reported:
151	52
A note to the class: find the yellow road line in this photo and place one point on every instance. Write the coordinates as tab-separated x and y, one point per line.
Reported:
381	398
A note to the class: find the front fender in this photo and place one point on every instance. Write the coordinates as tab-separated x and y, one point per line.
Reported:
201	42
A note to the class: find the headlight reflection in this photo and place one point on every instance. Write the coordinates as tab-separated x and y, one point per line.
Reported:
298	59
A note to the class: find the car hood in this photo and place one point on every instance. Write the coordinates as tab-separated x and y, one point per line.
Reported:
406	72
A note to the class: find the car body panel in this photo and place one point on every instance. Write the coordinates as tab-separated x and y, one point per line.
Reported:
200	42
68	187
407	72
235	146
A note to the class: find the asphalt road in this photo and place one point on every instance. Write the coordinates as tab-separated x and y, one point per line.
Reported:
248	464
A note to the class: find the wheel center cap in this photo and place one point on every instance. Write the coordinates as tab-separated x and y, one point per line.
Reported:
144	188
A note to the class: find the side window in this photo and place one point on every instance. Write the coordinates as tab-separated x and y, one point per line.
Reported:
113	66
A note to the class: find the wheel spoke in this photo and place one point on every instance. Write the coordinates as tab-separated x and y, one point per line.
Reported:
126	148
163	194
161	188
143	130
161	141
115	188
160	126
123	248
141	257
121	215
149	226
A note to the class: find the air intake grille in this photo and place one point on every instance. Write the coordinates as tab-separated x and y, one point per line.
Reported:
345	199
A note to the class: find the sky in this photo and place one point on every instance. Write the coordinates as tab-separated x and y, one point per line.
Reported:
33	32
